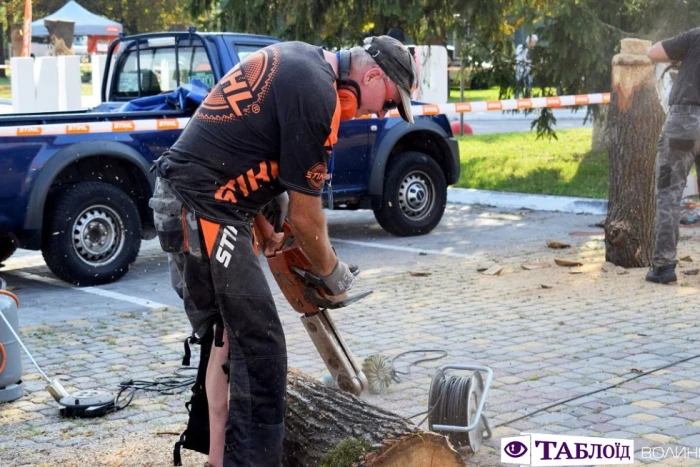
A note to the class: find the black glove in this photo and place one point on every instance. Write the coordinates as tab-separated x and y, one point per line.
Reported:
276	211
341	279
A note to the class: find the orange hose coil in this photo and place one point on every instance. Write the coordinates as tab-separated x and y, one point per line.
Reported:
3	353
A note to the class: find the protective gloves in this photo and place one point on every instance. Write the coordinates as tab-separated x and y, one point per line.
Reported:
341	279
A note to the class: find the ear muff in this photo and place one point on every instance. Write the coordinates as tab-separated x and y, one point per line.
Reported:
348	90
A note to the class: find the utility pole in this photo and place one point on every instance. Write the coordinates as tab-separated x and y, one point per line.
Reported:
463	25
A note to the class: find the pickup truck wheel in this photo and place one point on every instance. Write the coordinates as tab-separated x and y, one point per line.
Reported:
7	247
92	234
415	193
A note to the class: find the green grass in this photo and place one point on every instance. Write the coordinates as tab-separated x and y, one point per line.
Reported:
520	163
490	94
470	95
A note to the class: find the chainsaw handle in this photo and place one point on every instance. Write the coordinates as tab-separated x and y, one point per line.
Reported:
267	238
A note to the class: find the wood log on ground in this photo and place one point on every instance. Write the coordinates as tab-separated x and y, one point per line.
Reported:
636	118
327	427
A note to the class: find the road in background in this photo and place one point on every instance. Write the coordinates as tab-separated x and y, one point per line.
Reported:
509	122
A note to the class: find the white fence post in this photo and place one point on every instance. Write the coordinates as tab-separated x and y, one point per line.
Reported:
69	83
45	72
98	71
22	84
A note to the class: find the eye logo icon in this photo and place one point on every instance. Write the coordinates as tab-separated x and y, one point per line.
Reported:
515	449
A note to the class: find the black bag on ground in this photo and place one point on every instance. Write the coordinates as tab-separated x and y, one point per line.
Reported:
196	435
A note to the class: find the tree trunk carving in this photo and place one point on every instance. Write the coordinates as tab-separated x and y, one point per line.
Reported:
636	119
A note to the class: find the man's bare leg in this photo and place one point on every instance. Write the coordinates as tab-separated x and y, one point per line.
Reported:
217	396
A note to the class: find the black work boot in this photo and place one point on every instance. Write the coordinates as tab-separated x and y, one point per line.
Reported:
663	274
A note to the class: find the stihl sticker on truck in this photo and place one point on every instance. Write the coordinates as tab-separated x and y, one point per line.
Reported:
168	124
125	125
77	129
29	131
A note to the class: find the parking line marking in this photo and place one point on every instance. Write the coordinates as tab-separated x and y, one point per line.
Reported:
90	290
403	248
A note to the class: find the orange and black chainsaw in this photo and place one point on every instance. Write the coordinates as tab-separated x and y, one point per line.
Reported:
306	293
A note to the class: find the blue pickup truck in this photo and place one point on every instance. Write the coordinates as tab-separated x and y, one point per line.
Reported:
76	185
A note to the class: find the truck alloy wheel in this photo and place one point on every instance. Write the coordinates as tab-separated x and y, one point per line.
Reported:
93	234
415	193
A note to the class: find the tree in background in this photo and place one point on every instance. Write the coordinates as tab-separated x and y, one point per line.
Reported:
339	23
136	16
578	40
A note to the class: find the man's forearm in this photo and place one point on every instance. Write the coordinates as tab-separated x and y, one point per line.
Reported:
309	227
657	53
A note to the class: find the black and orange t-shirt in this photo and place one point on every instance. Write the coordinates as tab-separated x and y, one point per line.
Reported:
685	48
268	125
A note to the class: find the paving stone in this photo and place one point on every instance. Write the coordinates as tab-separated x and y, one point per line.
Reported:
604	427
667	422
643	417
641	429
550	418
648	404
662	412
581	432
622	411
690	441
613	401
682	431
625	422
692	416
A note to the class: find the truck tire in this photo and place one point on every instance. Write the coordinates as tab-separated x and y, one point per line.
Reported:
92	234
415	193
7	247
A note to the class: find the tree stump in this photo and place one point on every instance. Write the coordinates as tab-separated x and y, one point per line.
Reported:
636	119
325	426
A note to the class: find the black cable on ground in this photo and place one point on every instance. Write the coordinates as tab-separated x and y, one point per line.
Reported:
166	385
396	373
543	409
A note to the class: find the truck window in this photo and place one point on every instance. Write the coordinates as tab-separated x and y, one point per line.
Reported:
243	50
161	69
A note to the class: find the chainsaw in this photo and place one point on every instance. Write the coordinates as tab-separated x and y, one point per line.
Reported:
307	294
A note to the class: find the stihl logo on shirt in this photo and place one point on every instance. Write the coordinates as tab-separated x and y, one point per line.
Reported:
317	175
247	183
226	246
242	90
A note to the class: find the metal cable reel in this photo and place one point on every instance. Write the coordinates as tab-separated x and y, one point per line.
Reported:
456	404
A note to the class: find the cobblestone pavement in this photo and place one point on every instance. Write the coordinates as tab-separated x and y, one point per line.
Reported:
581	335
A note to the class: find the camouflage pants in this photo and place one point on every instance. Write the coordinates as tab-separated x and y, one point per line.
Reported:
678	146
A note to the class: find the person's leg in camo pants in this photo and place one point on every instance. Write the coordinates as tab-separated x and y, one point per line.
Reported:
678	145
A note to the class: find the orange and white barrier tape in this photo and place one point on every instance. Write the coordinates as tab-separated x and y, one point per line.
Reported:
508	104
121	126
115	126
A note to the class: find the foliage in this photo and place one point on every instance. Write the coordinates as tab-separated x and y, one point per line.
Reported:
347	453
136	16
339	23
